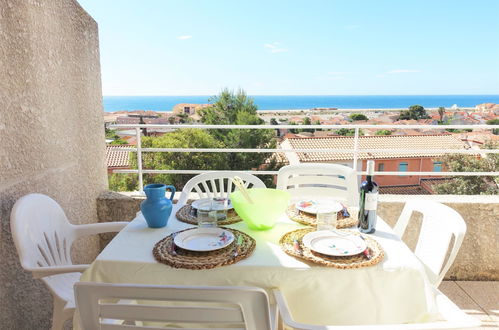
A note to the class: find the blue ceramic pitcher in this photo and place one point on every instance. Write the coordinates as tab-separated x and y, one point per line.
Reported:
157	208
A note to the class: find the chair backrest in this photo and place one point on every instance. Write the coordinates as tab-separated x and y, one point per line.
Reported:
245	307
217	184
320	180
440	224
41	232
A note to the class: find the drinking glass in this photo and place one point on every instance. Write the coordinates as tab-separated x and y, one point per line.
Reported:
219	205
326	218
206	214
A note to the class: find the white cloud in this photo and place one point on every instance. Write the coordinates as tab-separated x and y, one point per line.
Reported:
274	47
184	37
402	71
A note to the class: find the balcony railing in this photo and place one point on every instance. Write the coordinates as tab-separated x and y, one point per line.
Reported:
355	150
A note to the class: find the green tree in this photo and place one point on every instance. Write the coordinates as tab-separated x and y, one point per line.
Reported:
317	122
225	108
358	116
118	141
294	130
415	112
273	121
111	134
184	138
384	132
441	113
494	121
307	121
348	132
123	182
237	108
183	118
471	185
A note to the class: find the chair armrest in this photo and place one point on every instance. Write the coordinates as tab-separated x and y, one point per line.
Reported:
39	272
99	228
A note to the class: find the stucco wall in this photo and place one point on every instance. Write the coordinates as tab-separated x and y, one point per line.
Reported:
392	165
51	134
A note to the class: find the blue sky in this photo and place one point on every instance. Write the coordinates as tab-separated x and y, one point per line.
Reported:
287	47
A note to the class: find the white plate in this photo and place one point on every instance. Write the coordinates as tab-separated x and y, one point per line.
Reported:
330	243
203	239
195	204
312	206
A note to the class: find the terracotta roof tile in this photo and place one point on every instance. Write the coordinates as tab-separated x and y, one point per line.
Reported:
404	190
418	142
116	157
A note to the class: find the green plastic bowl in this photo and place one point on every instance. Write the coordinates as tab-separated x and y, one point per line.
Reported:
268	205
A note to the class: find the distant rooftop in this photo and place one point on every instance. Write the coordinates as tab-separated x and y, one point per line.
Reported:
403	142
404	190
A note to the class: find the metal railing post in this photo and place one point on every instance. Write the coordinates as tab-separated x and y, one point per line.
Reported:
356	149
139	158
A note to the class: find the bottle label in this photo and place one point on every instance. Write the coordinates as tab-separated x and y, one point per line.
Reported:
371	202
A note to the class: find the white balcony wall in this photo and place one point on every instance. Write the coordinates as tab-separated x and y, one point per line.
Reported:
51	134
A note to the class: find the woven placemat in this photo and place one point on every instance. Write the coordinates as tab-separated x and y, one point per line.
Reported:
309	219
180	258
287	243
184	214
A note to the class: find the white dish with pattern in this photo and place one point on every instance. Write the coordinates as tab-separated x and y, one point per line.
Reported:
203	239
330	243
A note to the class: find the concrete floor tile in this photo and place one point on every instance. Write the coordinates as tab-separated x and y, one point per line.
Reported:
459	296
468	304
485	294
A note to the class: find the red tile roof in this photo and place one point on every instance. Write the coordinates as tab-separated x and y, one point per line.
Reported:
117	157
401	142
404	190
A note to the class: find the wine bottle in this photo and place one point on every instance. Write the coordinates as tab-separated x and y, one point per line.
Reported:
368	201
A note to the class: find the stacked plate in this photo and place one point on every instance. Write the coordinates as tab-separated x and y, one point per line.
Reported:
314	206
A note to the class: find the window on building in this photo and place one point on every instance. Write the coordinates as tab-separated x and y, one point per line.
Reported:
403	167
381	167
437	166
187	110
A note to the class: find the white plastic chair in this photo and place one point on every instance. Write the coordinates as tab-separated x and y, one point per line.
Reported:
216	184
43	238
320	180
110	306
440	224
450	317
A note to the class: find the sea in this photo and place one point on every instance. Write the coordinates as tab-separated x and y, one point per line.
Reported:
296	102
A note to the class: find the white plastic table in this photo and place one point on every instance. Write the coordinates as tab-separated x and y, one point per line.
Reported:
394	291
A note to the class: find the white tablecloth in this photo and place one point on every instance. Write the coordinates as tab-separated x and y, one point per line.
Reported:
394	291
